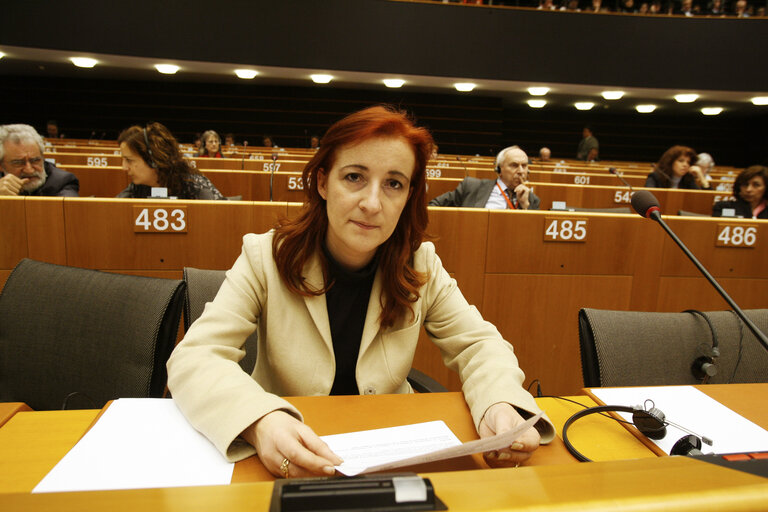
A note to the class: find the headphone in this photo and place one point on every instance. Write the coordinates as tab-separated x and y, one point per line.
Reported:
705	366
149	150
650	422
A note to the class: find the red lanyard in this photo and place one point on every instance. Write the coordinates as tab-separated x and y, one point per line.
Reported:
506	197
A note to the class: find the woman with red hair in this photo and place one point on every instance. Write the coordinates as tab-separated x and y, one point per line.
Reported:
339	295
676	169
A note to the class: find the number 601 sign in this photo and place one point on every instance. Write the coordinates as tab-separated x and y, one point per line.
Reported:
159	219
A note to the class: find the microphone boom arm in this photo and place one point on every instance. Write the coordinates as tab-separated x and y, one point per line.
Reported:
656	215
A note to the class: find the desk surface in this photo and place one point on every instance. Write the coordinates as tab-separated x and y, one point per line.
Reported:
32	442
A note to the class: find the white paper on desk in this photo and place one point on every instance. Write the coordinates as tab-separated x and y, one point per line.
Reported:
139	443
694	410
389	448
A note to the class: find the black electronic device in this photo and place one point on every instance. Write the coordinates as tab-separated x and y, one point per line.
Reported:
382	493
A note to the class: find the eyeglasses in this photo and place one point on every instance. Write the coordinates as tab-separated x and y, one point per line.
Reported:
21	163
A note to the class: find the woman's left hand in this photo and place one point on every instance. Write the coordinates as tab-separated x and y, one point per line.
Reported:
502	417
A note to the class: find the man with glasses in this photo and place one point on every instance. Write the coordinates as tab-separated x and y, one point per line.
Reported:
508	192
23	171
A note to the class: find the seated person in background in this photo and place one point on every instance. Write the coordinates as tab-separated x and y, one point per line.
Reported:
52	130
152	158
589	147
508	191
211	147
673	170
545	154
197	142
751	195
24	171
229	139
706	164
267	142
314	142
339	295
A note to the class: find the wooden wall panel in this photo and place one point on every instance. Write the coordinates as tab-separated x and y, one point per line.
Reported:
538	314
681	293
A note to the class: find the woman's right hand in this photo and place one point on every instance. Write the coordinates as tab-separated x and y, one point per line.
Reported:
278	436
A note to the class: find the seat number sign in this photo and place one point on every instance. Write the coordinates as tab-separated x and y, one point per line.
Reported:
159	219
565	229
736	235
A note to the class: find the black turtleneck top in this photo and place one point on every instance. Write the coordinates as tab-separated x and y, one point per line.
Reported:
347	301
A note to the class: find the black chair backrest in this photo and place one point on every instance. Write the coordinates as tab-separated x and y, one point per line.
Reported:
632	348
202	287
77	338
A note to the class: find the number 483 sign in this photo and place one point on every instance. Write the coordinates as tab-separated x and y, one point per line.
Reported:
159	219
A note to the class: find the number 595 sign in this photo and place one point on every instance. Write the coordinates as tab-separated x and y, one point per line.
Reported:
159	219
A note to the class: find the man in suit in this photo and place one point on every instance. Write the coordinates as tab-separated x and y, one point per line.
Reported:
508	191
24	172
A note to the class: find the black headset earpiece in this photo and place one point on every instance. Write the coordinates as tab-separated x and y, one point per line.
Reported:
705	366
149	150
498	169
650	422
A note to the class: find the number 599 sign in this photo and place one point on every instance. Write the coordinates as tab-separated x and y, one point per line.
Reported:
159	219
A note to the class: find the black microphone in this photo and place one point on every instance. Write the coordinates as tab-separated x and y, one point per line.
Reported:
612	170
272	175
646	205
242	162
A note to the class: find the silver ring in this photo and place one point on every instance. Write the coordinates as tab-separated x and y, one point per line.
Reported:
284	467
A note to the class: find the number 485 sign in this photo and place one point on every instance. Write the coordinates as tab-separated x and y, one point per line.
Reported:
159	219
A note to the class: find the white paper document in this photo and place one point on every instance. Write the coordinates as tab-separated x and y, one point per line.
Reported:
139	443
695	411
389	448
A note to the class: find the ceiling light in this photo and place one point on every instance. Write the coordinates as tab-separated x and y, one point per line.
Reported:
645	109
83	62
2	55
536	103
686	98
583	105
760	100
711	111
538	91
321	79
167	69
613	95
394	83
246	74
464	86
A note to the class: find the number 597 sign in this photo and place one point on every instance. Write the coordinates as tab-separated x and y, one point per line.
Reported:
159	219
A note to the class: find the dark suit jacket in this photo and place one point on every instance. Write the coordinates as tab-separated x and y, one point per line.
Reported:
58	183
474	193
741	206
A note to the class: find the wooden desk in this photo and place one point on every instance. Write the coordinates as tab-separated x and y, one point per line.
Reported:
31	443
665	483
8	409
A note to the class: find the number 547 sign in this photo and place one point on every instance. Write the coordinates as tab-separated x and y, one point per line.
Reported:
159	219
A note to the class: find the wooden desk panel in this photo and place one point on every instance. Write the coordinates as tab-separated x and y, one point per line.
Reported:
681	293
13	231
700	235
670	483
100	234
46	229
8	409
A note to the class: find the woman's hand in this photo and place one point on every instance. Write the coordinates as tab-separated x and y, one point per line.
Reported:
698	175
502	417
278	436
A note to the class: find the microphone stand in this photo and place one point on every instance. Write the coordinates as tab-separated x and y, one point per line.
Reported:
613	171
656	215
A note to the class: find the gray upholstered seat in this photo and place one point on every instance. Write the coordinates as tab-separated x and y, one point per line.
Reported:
630	348
202	286
76	338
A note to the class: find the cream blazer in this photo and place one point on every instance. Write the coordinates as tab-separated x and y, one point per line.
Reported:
295	350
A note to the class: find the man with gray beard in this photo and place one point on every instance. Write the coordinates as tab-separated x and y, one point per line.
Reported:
24	172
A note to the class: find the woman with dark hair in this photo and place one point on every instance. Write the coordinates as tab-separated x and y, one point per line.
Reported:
152	158
339	295
673	170
211	147
751	195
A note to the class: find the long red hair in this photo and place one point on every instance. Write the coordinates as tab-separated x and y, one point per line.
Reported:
297	240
